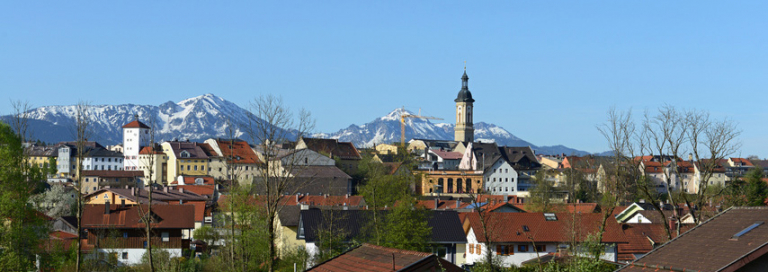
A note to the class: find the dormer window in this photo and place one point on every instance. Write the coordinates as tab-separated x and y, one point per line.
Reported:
184	154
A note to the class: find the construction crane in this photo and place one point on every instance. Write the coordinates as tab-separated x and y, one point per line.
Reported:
407	115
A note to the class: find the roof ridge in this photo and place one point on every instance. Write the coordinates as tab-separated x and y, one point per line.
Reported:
681	235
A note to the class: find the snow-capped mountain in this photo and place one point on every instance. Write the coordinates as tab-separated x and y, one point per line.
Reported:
196	118
205	116
386	129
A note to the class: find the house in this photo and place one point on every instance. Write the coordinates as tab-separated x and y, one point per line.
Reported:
154	163
714	171
367	257
118	230
312	180
447	239
385	149
345	152
436	159
233	157
186	158
96	179
738	167
506	170
161	196
519	237
42	156
95	157
734	240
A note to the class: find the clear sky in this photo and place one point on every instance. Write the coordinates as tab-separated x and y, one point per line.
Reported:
547	71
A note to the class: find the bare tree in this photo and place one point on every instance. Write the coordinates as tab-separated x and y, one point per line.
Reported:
619	131
82	131
148	163
20	120
666	133
270	124
710	141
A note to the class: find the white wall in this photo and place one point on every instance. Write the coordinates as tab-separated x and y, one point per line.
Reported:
134	254
519	257
501	179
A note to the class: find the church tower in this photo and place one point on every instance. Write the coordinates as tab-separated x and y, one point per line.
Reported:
464	130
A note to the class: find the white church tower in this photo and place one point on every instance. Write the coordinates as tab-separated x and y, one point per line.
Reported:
464	130
135	136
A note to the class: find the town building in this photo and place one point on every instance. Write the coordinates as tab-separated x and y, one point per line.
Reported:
135	137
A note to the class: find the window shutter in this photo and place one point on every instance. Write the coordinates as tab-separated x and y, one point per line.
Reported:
498	249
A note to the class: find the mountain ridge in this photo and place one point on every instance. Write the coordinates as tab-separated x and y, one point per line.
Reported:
202	117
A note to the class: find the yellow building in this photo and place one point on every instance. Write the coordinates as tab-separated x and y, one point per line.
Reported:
185	158
42	156
457	183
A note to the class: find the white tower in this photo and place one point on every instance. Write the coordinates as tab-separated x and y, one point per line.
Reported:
135	136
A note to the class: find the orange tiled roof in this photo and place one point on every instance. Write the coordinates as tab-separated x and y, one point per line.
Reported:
240	151
135	124
511	227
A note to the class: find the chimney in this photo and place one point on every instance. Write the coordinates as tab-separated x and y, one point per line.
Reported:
165	189
181	190
106	207
297	198
133	191
347	195
690	157
437	202
506	198
672	223
458	201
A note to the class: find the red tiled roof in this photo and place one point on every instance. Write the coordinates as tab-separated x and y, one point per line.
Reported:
135	124
343	150
510	227
313	200
148	150
170	216
199	209
374	258
190	180
569	207
640	239
712	245
203	190
62	235
448	155
240	151
746	162
318	200
442	204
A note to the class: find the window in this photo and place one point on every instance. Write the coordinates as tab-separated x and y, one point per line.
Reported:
504	250
541	248
125	255
188	167
471	249
106	196
479	249
125	235
195	167
166	237
506	170
145	244
522	248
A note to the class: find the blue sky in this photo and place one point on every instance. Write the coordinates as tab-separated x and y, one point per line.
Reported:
547	71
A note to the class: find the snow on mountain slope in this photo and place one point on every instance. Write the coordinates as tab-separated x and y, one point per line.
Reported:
202	117
196	118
